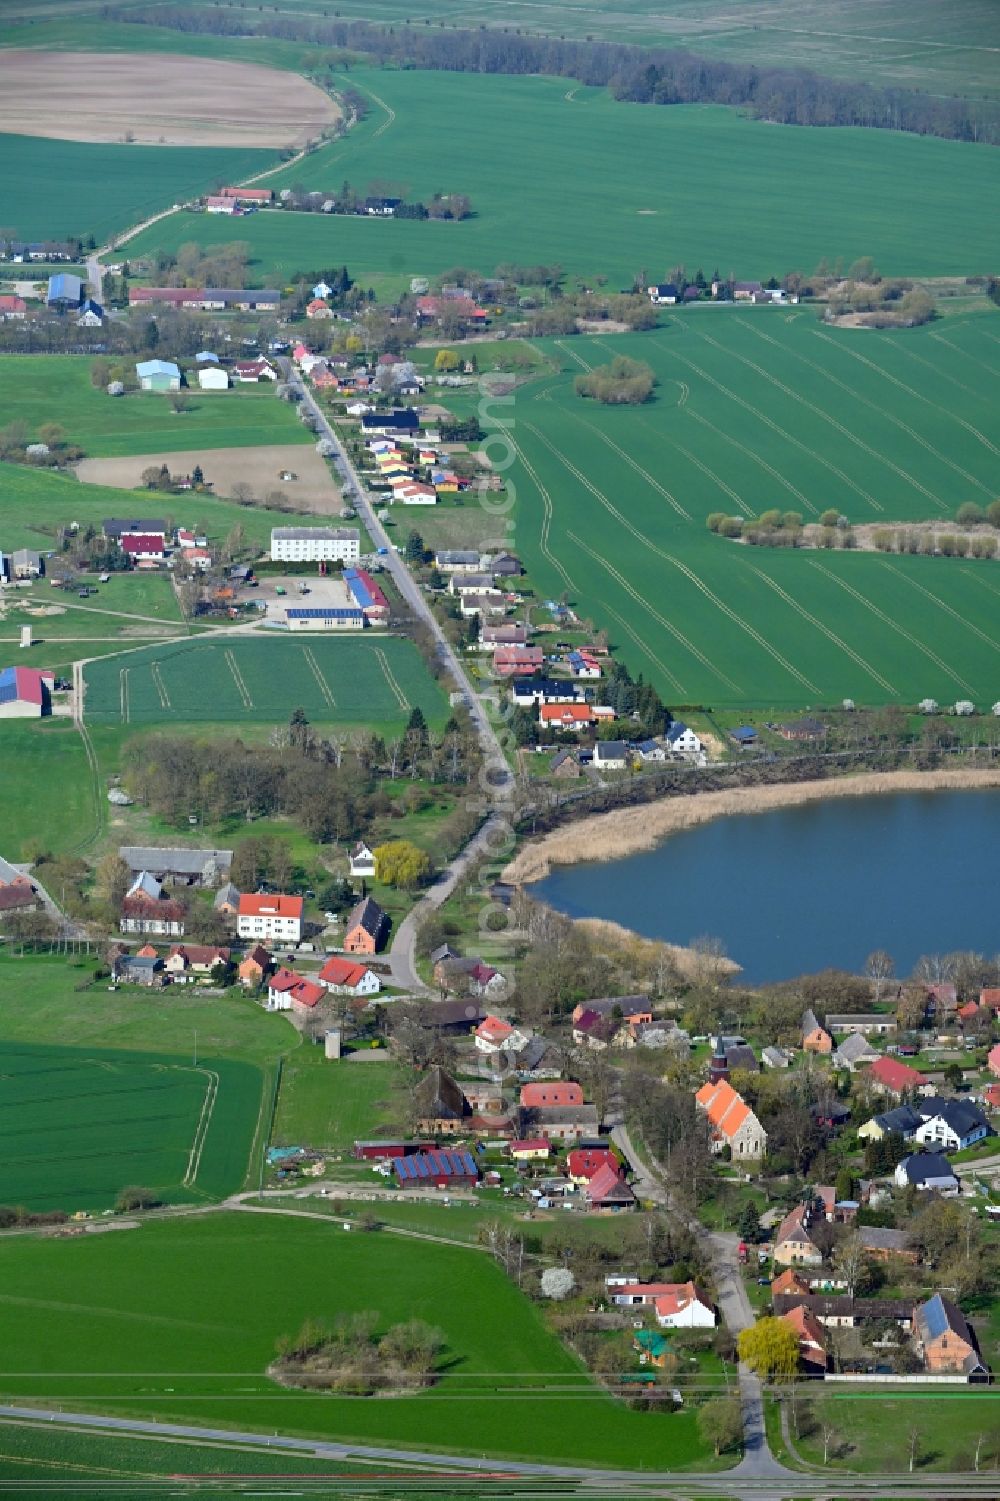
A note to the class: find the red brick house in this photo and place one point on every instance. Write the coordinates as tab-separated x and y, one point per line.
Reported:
944	1340
366	928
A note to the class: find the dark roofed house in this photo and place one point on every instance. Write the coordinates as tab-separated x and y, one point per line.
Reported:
925	1171
116	527
562	1123
403	420
803	729
881	1243
139	969
441	1106
365	929
743	735
459	1016
178	866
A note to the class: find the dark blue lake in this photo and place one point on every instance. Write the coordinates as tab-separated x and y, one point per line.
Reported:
799	889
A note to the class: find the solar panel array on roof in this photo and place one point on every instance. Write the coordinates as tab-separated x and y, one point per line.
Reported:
358	588
8	685
316	613
423	1166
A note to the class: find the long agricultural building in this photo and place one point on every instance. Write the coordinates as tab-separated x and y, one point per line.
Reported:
207	299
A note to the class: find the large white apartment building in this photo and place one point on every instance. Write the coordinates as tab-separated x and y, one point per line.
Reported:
270	919
315	544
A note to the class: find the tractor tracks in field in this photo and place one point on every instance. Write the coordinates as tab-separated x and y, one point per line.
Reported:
676	563
888	416
893	625
911	391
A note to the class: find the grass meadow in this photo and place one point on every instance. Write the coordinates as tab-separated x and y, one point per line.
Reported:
36	389
198	1303
330	1106
35	505
755	410
361	681
99	190
692	184
43	760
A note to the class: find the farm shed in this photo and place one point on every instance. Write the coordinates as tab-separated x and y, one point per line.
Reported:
436	1170
158	375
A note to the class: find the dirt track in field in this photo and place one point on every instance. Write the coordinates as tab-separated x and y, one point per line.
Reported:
312	490
157	100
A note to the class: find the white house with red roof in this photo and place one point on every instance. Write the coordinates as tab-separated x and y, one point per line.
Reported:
270	918
494	1035
143	549
677	1305
683	1307
288	991
348	977
583	1162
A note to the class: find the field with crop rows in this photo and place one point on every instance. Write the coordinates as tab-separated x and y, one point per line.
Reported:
98	190
691	184
197	1304
77	1126
369	681
36	389
753	410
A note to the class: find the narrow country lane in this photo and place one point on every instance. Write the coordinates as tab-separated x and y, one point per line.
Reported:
402	955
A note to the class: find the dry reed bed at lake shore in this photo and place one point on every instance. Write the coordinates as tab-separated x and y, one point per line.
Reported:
626	831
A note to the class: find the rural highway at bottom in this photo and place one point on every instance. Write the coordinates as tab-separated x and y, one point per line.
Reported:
741	1482
499	776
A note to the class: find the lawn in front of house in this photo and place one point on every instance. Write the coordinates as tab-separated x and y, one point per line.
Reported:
872	1429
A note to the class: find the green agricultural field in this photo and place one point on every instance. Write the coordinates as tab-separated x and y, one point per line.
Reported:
97	190
36	504
758	409
43	1456
36	389
362	681
44	764
910	45
691	184
76	1126
169	1090
179	1319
